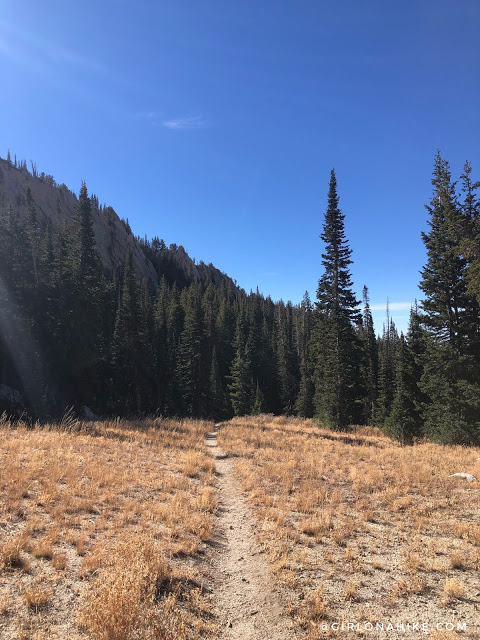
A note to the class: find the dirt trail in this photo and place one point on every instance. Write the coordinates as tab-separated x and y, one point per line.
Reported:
249	607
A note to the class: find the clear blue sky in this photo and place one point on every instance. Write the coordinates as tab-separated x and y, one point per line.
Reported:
214	124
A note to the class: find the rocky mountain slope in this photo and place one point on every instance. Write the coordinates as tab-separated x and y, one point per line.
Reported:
113	235
57	203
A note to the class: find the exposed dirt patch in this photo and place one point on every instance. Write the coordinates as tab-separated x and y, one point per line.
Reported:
249	605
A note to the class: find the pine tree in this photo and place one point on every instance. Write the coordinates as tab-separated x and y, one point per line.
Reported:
160	346
450	379
386	370
148	344
417	339
469	232
84	293
369	371
451	386
468	239
265	371
190	363
304	402
403	422
174	317
241	379
253	330
443	276
219	408
131	364
225	334
337	366
286	360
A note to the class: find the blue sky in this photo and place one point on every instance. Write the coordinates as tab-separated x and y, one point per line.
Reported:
215	124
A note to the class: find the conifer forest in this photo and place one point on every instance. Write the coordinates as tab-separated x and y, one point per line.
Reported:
187	341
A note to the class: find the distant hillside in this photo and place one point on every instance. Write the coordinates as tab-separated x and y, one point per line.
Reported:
113	235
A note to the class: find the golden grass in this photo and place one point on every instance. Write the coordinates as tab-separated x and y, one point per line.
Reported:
98	524
454	588
36	597
382	528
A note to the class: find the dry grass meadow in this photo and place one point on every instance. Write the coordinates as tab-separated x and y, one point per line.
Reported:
361	530
99	525
104	529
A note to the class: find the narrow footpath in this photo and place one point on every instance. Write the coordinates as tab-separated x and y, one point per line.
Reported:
248	606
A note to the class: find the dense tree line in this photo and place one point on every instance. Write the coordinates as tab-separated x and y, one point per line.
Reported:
196	345
429	380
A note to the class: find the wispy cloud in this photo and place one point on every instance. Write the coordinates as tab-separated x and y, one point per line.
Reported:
393	306
188	122
157	119
153	117
33	50
63	55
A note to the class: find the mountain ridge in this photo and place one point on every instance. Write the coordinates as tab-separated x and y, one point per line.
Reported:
56	204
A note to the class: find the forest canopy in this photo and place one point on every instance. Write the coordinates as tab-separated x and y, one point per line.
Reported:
73	332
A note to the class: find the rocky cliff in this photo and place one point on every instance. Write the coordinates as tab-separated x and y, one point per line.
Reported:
113	235
57	203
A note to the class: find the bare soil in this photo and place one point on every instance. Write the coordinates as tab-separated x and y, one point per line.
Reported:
249	606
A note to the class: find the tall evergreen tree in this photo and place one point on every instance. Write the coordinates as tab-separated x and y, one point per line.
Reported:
369	371
85	291
469	232
218	403
192	373
386	369
287	361
338	365
175	319
403	421
131	370
241	379
304	402
450	379
225	334
443	282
